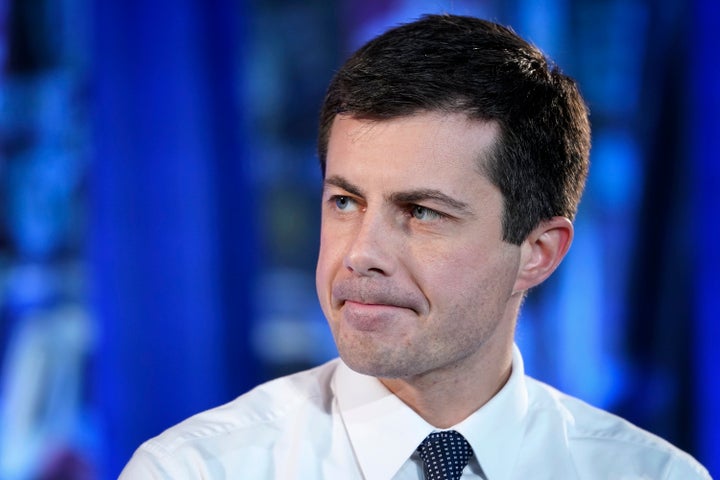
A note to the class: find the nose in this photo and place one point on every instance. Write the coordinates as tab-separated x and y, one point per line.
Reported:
372	250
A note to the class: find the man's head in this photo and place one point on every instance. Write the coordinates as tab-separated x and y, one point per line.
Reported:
454	64
453	160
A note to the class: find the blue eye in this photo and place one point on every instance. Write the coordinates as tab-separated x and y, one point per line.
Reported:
423	213
342	202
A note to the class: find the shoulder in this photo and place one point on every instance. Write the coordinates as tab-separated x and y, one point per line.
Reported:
254	420
595	438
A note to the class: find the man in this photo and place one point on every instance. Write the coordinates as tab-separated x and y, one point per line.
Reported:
453	160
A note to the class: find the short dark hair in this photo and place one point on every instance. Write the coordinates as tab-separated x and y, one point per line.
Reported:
451	63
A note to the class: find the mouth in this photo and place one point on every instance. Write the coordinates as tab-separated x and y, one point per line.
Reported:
373	305
369	317
370	305
373	299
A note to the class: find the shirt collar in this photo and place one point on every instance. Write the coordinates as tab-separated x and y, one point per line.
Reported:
384	431
495	431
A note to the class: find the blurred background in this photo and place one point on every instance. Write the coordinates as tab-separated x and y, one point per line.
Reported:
159	213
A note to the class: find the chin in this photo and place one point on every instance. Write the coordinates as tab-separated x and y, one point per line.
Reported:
376	354
376	365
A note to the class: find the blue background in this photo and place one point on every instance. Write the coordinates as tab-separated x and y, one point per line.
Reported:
159	213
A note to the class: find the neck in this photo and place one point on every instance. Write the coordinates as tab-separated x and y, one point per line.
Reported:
447	396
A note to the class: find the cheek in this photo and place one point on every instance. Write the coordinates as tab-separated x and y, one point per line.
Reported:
470	273
321	271
329	260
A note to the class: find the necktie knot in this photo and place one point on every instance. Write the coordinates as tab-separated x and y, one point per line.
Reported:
444	455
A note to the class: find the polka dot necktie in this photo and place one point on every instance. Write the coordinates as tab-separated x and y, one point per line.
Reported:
444	455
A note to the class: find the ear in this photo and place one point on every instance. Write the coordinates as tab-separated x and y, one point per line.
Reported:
542	251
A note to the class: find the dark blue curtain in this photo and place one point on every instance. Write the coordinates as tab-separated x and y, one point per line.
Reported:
172	224
704	148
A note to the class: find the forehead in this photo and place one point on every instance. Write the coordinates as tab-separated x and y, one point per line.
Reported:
435	144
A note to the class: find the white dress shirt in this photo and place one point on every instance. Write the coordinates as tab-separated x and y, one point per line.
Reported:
333	423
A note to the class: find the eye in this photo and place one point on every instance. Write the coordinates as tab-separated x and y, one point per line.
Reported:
343	202
423	213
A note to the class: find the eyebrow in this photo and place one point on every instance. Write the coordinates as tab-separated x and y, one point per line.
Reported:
425	194
342	182
410	196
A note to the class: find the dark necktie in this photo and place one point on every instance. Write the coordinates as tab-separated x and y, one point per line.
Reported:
444	455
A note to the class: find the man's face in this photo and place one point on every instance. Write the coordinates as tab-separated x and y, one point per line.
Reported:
413	275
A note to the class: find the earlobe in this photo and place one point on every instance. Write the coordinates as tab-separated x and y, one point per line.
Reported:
542	251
